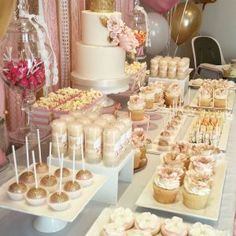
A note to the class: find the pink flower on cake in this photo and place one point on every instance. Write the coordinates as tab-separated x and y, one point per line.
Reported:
115	25
128	41
121	35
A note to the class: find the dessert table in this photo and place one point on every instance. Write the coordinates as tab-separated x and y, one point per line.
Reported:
15	224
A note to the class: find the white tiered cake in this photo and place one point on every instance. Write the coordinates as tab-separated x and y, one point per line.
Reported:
100	63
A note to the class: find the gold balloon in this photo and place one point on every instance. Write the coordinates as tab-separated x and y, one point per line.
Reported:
7	7
192	18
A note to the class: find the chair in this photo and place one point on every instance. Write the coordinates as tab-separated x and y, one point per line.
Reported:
207	56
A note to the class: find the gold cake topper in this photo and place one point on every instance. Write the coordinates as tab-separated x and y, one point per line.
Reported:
102	5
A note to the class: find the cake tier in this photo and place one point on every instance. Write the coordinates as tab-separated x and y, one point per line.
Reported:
99	63
93	31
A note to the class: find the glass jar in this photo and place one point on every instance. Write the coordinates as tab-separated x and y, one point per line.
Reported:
139	25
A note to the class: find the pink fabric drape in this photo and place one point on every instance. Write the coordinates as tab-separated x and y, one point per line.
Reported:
2	99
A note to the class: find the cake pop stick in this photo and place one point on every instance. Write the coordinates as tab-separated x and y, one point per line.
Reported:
35	173
15	163
27	152
61	168
39	147
50	158
82	155
73	165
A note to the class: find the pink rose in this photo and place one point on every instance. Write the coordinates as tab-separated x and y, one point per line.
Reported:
115	25
127	43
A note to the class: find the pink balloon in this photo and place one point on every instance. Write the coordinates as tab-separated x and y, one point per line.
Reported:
161	6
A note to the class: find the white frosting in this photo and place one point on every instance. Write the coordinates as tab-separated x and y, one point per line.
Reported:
114	229
136	106
122	216
167	183
199	229
198	187
206	168
147	221
90	66
175	225
93	32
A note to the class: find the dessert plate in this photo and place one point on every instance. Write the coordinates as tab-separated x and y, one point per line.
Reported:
104	218
76	205
212	210
155	149
223	140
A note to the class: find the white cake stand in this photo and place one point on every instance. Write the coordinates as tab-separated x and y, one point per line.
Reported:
106	86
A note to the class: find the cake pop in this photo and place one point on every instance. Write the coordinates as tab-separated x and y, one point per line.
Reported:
72	187
59	201
84	177
17	189
27	177
49	181
36	195
41	167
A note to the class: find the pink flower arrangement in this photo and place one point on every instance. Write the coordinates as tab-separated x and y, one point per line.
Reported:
121	35
19	74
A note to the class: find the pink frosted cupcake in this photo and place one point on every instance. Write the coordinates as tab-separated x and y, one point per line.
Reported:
203	164
196	191
166	184
174	227
136	107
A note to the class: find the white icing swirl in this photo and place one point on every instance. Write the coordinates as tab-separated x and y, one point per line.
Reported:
199	229
175	225
167	183
203	164
122	216
197	183
114	229
147	221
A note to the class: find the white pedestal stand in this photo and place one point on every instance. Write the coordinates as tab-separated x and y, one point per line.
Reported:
124	172
48	225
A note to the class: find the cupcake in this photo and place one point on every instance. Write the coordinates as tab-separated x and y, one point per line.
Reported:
113	229
123	217
136	107
174	227
166	184
148	222
196	191
176	159
148	94
172	94
203	164
199	229
205	97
